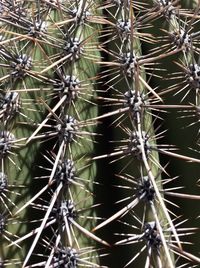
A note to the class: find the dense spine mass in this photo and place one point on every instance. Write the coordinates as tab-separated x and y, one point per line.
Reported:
66	68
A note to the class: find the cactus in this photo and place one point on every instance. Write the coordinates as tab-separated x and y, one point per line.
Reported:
85	89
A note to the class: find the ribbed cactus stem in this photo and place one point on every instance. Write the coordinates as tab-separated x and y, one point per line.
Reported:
66	69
